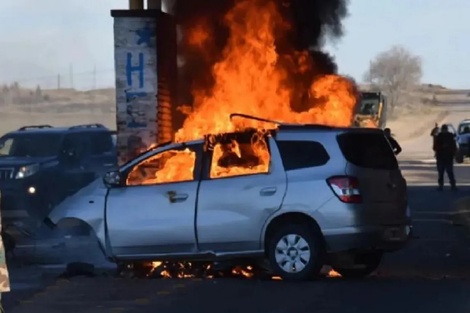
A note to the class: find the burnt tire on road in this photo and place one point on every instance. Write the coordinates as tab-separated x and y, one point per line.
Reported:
296	252
366	264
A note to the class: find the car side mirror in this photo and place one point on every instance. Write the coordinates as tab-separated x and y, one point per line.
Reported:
112	179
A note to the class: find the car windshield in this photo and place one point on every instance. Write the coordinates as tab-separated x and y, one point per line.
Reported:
464	128
30	145
369	106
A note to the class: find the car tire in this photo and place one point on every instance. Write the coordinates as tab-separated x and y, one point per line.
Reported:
459	158
369	262
299	242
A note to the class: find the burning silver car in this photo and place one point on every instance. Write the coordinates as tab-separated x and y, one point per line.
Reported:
300	196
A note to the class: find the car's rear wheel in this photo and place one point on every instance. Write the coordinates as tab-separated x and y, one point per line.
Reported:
366	264
296	252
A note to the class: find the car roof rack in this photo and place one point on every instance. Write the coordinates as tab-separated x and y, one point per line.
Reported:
87	126
34	127
281	125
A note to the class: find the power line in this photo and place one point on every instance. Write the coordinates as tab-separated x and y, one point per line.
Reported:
51	77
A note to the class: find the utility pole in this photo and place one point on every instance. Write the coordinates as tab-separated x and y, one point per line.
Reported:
71	75
94	77
58	81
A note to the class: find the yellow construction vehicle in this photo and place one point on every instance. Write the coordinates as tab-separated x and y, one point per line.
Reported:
371	110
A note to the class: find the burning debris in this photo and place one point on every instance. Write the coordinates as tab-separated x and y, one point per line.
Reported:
205	270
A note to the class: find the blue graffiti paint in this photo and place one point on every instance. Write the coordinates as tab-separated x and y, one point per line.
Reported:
131	69
145	35
134	95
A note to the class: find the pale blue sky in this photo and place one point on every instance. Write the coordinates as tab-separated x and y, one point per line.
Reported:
39	39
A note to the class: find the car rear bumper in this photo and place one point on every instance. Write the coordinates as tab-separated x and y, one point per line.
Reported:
384	237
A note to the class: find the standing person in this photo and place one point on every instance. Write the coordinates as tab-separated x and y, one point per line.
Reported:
435	131
395	146
445	148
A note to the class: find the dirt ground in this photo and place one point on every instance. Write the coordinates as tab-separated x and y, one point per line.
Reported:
13	120
403	128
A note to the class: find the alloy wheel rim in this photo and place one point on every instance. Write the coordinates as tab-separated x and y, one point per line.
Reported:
292	253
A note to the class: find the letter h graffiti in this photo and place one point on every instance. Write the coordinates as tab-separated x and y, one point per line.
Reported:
130	69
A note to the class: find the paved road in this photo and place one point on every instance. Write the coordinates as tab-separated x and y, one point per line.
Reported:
431	275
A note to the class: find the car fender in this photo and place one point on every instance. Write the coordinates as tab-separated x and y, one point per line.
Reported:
86	206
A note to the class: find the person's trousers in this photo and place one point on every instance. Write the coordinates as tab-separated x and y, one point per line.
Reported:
448	167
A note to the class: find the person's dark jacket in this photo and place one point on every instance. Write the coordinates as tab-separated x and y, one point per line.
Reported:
445	146
395	146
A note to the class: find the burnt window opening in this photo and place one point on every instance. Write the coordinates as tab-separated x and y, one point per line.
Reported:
297	154
170	166
239	154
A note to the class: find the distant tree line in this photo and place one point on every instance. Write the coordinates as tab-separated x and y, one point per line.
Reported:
15	95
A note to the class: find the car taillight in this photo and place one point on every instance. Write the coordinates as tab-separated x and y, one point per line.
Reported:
346	188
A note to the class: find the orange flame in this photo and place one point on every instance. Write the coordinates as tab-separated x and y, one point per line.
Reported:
249	80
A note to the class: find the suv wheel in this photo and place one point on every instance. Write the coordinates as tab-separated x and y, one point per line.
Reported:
366	265
296	252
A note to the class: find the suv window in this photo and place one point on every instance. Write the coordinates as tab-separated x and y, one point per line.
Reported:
76	142
302	154
368	150
239	154
170	166
30	145
101	142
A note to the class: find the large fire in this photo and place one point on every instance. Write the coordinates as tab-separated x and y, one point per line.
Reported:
249	79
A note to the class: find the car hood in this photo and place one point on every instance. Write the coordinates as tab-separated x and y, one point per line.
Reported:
78	205
22	161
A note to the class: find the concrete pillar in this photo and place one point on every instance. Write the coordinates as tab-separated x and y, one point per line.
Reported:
145	65
136	4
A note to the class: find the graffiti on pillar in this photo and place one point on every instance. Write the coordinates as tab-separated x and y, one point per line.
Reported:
136	84
136	115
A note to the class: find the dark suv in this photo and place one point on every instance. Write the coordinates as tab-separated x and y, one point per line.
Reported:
41	165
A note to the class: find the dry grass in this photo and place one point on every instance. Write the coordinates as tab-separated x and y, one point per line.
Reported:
15	120
68	107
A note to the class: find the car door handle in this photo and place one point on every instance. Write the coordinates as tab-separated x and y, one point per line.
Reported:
268	191
108	164
177	197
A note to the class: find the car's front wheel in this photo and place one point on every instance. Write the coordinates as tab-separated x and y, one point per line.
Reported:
366	264
296	252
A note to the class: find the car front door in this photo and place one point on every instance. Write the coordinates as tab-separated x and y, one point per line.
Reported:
153	214
241	190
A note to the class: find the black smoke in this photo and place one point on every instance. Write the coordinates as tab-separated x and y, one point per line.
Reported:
312	21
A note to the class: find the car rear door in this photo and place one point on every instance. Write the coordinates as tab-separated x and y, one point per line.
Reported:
233	206
382	186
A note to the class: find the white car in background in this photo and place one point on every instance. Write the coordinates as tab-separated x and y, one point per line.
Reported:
463	140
